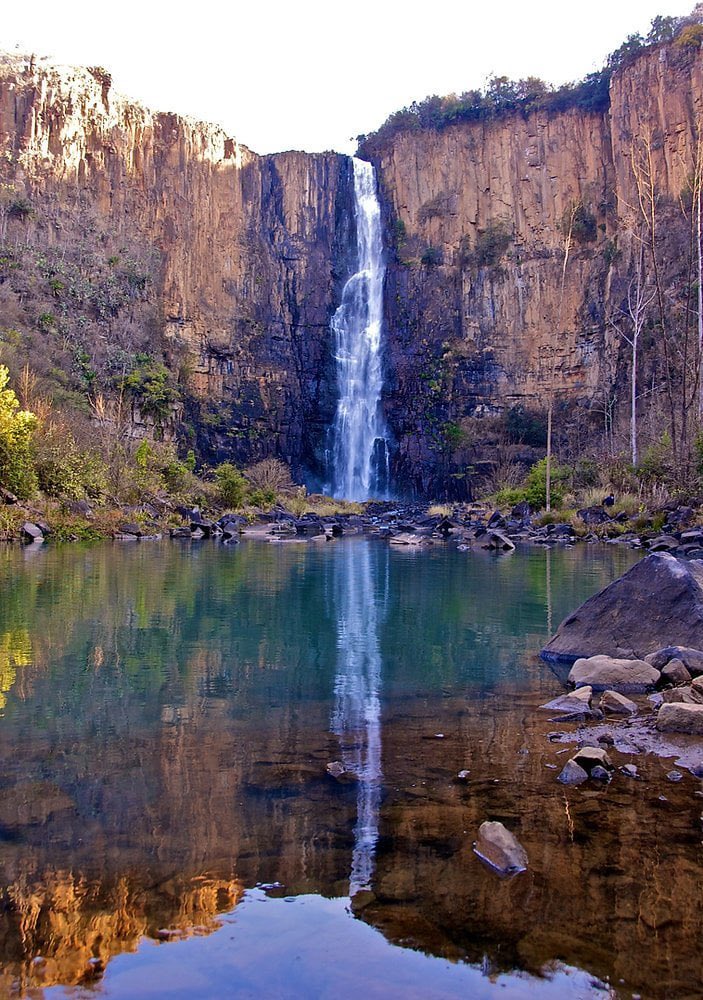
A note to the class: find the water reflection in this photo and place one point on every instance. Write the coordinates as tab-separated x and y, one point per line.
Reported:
360	595
169	714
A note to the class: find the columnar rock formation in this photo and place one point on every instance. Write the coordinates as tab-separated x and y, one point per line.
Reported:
485	308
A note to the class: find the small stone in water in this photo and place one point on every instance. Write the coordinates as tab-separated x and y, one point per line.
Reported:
463	775
630	770
674	776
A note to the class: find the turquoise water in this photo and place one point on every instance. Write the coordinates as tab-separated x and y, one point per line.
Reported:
168	826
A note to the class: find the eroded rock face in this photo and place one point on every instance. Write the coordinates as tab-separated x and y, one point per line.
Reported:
252	253
658	601
252	250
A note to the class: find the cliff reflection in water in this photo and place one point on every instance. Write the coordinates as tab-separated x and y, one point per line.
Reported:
169	715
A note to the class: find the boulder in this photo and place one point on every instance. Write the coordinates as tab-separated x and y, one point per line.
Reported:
593	515
675	673
572	706
590	757
496	540
32	532
692	659
500	849
572	774
660	598
603	672
680	718
614	703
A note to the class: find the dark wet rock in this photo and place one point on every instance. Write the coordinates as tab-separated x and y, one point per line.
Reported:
463	776
680	718
339	772
182	532
637	613
500	849
131	528
497	541
663	543
675	673
6	497
697	770
589	757
607	672
599	773
630	771
681	696
691	658
496	520
674	776
593	515
572	774
521	511
572	706
32	532
607	739
80	507
614	703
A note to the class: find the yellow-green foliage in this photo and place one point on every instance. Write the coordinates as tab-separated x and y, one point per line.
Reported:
17	472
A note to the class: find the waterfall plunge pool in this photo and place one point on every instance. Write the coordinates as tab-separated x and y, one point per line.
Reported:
168	827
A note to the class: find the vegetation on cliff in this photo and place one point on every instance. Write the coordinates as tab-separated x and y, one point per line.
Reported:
502	97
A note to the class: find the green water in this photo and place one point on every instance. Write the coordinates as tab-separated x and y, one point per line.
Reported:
168	826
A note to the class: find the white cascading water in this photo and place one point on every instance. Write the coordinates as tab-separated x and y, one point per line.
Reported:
356	720
360	447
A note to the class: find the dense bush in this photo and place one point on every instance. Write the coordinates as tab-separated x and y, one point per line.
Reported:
523	426
17	471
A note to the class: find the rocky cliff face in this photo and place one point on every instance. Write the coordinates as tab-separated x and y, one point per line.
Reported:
511	243
246	252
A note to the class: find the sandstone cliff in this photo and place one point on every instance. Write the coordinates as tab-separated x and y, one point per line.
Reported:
510	243
240	256
494	299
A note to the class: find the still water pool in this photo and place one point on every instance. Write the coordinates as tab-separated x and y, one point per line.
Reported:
168	826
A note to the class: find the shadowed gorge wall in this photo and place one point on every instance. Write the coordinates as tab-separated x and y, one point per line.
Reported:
246	251
230	265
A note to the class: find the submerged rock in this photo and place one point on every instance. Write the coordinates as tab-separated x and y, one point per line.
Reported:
637	613
603	672
575	705
500	849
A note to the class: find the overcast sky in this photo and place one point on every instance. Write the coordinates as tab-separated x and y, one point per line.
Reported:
312	74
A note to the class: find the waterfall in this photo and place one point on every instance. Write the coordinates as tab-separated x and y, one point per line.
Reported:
356	719
359	436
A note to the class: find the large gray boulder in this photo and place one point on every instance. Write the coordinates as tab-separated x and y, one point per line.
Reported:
603	672
681	718
656	603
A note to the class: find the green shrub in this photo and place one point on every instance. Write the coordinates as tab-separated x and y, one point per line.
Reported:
17	472
432	257
491	244
232	484
524	426
152	387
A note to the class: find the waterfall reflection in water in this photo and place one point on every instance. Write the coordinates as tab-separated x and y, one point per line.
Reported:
356	717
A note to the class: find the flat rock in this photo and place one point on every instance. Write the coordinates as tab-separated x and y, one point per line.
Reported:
604	672
575	704
659	600
500	849
680	718
614	703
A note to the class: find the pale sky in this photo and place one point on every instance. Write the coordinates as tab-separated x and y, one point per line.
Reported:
312	74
